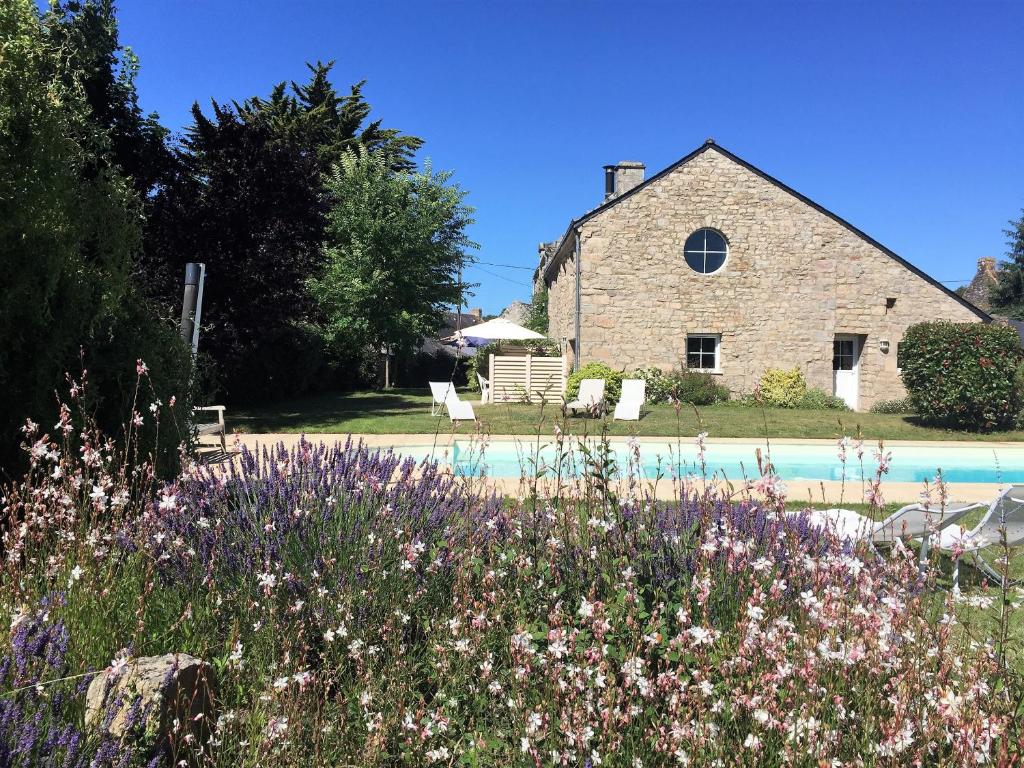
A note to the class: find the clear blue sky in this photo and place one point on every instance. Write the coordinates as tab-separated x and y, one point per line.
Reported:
907	119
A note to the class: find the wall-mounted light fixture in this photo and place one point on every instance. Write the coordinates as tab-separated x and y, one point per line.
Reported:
890	303
883	345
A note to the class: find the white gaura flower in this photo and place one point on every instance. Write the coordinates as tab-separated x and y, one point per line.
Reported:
168	502
755	612
586	608
76	574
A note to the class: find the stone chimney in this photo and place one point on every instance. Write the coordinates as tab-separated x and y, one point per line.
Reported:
476	312
986	278
620	178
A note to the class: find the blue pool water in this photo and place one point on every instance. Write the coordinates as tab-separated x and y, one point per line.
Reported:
967	464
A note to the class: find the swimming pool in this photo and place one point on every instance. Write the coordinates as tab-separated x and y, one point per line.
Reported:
813	461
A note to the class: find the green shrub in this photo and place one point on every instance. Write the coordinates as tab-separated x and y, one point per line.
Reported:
963	375
686	386
820	400
898	405
783	389
612	381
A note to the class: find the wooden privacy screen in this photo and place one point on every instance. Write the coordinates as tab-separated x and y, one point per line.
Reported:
527	379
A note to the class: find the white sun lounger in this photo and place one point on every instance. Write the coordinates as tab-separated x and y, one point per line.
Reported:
1006	514
439	390
459	410
634	392
590	396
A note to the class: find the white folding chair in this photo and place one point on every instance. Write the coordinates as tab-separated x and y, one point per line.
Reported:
439	390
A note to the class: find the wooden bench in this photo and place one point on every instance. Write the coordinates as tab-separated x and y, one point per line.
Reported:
214	427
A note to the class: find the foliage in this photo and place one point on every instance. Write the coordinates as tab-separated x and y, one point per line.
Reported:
478	362
247	199
963	374
537	317
395	245
1008	296
684	386
86	33
782	388
612	381
69	230
898	405
815	399
361	608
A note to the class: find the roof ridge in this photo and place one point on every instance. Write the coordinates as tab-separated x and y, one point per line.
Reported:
709	144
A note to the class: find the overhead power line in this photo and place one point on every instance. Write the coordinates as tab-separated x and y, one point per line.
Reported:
506	266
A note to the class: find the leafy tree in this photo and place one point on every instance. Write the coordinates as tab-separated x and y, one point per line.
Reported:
395	243
67	230
537	316
86	33
1008	295
69	233
247	200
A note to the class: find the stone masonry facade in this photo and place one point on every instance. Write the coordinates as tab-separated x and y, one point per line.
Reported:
795	277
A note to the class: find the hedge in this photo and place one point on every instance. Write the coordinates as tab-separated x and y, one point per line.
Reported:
963	375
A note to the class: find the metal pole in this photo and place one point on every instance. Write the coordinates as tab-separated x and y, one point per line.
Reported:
191	305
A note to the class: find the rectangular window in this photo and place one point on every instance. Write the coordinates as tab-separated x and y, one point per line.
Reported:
843	354
899	355
702	352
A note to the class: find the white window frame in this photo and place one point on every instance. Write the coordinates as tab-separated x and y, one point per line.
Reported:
718	351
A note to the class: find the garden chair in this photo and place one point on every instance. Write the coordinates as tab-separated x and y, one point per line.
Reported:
590	396
439	390
634	392
1005	513
911	521
458	410
485	389
215	427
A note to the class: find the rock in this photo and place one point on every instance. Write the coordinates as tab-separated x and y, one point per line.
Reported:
168	687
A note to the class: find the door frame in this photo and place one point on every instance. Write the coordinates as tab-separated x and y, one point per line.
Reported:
855	371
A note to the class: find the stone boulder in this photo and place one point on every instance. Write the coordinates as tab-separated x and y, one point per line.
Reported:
161	689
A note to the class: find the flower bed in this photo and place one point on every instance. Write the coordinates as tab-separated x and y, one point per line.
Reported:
360	609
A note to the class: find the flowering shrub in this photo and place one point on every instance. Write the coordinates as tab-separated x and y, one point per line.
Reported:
360	609
897	406
963	374
684	386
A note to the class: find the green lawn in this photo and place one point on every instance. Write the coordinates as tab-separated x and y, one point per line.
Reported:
408	411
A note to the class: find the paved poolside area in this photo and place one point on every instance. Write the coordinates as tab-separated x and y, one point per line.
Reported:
828	491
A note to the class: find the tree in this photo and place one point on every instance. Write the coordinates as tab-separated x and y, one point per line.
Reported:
1008	295
395	243
247	199
68	228
537	316
87	35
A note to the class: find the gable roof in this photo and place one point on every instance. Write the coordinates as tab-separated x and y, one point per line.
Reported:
711	145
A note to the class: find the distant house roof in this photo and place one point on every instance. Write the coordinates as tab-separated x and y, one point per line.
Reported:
710	144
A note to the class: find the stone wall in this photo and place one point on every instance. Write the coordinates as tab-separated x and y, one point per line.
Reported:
562	299
794	279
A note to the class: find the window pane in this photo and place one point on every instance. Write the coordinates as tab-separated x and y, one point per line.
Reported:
715	242
695	260
714	262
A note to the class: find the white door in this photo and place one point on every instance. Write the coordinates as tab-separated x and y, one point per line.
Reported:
845	367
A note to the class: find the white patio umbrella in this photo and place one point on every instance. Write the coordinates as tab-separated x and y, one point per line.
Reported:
497	329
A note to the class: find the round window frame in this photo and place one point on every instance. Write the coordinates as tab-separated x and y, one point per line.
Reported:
728	250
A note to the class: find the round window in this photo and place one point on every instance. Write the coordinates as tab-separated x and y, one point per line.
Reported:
705	251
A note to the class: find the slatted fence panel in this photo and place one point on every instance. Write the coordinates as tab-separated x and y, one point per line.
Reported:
525	378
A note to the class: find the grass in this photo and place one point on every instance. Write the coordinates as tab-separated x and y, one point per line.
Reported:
407	411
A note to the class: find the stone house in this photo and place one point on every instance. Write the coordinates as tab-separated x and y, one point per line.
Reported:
715	265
